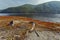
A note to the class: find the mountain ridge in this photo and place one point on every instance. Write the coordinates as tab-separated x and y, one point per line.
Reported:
49	7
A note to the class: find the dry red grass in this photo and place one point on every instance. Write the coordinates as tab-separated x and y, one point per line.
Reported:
49	25
40	25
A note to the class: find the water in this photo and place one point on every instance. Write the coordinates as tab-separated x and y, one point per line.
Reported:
39	16
43	35
48	19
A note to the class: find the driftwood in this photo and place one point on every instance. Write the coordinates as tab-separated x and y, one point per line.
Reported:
20	27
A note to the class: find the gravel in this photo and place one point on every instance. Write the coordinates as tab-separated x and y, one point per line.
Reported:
44	35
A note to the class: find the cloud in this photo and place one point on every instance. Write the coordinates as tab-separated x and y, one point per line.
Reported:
9	3
42	1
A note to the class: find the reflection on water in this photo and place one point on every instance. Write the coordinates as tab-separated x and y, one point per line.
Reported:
38	16
3	14
48	19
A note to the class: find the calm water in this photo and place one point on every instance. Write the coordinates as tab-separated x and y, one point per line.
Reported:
39	16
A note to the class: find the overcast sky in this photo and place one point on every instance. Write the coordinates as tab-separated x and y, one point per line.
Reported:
11	3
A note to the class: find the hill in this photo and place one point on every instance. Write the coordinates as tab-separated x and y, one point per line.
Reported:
20	9
49	7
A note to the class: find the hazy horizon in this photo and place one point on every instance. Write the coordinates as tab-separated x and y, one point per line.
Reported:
13	3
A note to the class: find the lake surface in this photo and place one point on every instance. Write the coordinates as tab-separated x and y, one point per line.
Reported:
39	16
